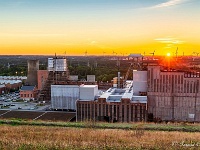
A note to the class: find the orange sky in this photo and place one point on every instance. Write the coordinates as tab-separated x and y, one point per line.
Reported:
35	27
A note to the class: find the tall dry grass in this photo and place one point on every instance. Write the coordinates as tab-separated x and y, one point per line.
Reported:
36	137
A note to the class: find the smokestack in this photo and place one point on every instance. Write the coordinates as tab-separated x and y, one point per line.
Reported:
33	67
118	80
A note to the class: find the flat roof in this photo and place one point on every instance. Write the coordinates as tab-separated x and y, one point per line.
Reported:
91	86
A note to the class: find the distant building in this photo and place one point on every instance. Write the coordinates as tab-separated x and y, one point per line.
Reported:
73	77
173	95
11	84
90	78
28	92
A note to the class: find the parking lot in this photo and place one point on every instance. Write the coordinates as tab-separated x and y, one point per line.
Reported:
12	101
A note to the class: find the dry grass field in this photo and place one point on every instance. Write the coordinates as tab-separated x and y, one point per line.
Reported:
43	138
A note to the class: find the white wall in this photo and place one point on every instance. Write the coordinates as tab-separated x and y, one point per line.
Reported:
88	92
139	82
64	96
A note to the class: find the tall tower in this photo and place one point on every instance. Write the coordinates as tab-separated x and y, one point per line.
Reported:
33	67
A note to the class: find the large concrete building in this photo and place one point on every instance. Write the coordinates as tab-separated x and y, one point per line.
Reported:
117	105
173	95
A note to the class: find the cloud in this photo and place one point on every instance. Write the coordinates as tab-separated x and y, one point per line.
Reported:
30	35
93	42
168	4
169	40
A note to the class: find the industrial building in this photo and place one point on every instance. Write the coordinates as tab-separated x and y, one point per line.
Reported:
11	84
57	86
173	95
127	104
156	93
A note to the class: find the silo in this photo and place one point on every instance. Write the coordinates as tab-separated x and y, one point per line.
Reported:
33	67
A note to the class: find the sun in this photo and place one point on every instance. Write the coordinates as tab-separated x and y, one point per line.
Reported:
168	54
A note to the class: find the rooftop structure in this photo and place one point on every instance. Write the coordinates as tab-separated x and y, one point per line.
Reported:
13	77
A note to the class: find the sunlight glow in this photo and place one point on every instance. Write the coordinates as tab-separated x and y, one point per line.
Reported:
168	54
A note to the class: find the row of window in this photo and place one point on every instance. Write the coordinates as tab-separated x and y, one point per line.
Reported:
26	95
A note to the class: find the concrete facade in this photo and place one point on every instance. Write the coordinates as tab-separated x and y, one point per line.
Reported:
173	95
33	67
101	110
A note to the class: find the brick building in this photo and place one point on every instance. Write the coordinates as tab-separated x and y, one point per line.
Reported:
28	92
42	76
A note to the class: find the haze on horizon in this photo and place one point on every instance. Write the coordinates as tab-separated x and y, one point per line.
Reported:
39	27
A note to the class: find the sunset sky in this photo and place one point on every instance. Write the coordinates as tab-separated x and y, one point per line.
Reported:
99	27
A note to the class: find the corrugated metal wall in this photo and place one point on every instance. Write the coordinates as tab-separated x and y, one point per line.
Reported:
64	96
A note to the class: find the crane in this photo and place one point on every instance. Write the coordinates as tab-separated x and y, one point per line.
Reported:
152	53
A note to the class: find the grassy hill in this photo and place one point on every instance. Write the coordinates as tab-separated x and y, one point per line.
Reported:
59	135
